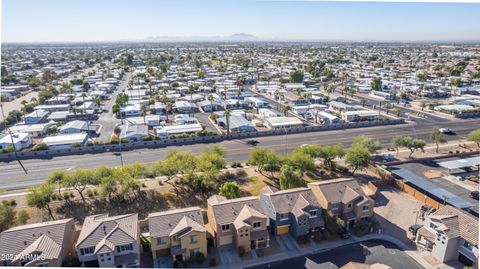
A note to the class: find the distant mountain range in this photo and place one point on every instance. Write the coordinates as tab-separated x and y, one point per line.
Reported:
233	37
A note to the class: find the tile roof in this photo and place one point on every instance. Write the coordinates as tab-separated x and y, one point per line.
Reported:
246	213
341	190
457	223
45	237
118	230
226	211
172	222
286	200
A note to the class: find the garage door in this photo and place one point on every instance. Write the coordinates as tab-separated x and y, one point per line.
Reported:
282	230
225	240
162	252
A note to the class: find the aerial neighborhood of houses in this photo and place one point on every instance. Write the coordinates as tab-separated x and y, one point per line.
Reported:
240	155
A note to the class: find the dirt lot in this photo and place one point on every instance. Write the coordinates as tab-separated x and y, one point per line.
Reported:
396	211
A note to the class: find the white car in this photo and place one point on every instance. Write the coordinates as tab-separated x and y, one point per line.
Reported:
446	131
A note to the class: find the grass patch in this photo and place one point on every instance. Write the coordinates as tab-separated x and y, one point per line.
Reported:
254	185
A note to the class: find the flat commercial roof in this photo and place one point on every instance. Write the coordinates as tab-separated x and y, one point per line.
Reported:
432	189
460	163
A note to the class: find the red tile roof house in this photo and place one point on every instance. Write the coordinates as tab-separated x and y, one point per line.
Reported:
39	244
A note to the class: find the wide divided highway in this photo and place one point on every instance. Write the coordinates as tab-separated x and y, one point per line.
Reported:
13	177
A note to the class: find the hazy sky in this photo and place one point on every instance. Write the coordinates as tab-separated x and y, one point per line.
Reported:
110	20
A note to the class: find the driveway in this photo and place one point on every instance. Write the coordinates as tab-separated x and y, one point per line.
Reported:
163	262
396	212
228	255
369	252
286	242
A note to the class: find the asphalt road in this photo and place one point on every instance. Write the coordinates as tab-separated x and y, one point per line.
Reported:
106	119
13	177
377	252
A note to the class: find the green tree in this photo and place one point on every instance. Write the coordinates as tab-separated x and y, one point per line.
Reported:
286	109
373	145
296	76
40	197
357	157
474	136
265	159
22	217
57	177
409	142
313	150
230	190
300	161
290	178
227	115
80	179
7	215
376	84
329	153
438	138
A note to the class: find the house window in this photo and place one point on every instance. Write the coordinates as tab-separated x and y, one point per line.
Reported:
102	260
42	264
109	259
432	225
194	239
194	251
313	213
334	206
87	251
366	208
284	216
226	227
124	248
257	224
467	245
349	205
161	240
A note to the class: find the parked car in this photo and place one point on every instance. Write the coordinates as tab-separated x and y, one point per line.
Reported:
414	228
252	142
446	131
474	195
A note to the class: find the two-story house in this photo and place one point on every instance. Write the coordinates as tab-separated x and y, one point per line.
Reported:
180	233
450	234
294	211
39	244
343	197
109	241
238	221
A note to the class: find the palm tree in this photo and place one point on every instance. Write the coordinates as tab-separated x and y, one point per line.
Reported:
83	100
143	108
24	104
191	89
239	93
286	109
227	114
169	107
211	98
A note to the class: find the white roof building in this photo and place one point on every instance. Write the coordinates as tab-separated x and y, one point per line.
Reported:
281	122
65	140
